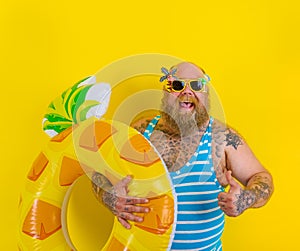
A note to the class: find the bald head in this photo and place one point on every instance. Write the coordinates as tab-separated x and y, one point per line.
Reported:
188	70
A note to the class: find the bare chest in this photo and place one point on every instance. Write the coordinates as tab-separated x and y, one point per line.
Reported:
174	149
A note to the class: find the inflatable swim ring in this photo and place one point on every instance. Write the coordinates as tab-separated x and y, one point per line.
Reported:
115	150
57	209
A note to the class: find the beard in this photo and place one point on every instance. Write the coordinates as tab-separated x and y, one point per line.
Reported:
185	122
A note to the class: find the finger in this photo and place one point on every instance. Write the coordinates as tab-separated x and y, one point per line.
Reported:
231	181
135	209
222	196
222	199
228	176
122	207
125	181
222	205
131	217
133	200
121	187
124	223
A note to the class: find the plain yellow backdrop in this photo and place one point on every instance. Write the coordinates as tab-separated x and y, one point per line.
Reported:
249	48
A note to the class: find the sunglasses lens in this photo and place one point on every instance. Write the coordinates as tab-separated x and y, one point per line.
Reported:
196	85
177	85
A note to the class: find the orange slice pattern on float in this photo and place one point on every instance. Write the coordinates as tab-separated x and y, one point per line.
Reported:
42	220
41	227
38	167
161	216
116	245
138	150
70	170
61	136
95	135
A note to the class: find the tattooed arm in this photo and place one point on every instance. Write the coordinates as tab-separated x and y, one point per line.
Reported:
250	183
116	199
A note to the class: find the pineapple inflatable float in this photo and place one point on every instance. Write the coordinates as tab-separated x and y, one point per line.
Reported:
57	208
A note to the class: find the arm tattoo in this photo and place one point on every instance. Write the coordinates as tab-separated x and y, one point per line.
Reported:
245	199
261	187
233	139
224	136
110	200
104	191
100	182
260	190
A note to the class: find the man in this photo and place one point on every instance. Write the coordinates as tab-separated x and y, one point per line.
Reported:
203	156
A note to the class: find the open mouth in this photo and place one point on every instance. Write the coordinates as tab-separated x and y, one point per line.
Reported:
186	105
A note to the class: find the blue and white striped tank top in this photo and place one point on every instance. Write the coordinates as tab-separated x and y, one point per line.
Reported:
200	221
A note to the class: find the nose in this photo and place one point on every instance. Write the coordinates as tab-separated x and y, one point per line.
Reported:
187	91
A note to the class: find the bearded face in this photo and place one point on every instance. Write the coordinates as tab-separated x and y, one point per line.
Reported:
184	112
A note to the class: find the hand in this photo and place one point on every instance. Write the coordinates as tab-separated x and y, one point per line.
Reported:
237	200
124	206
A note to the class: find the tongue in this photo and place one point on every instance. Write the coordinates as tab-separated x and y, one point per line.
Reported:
186	105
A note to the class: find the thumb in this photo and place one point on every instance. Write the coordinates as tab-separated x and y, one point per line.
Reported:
231	181
121	188
125	181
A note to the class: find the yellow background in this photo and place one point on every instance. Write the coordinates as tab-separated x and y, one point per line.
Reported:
249	48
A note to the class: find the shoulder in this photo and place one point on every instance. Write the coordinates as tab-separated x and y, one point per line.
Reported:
225	135
236	155
141	124
226	145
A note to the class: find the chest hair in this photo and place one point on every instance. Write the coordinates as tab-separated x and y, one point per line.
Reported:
174	149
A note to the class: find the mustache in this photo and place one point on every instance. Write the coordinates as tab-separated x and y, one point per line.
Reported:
187	98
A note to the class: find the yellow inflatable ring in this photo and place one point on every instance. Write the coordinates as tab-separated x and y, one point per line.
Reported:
56	188
114	149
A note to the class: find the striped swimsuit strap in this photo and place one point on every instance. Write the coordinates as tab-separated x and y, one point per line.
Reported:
150	128
199	220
